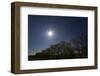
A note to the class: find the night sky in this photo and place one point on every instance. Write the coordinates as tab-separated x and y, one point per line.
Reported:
64	29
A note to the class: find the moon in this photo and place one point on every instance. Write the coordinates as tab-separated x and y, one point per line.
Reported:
50	33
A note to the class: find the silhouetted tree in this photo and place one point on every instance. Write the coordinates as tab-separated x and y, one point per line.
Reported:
76	48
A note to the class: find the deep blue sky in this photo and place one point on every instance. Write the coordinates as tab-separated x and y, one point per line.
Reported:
65	29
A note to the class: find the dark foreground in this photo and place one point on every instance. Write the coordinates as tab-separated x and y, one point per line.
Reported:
76	48
30	58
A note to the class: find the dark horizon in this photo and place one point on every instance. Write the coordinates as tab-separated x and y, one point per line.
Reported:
64	29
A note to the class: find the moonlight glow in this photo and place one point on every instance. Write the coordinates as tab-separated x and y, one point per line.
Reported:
50	33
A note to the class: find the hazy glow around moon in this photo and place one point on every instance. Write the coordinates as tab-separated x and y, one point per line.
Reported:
50	33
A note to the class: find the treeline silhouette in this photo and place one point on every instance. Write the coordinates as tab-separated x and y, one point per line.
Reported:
75	48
